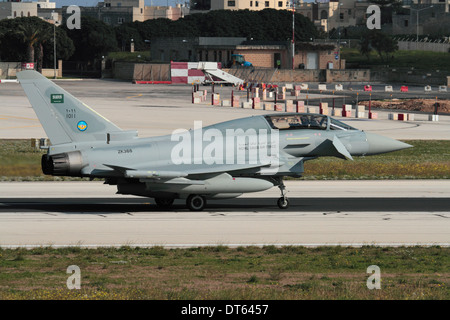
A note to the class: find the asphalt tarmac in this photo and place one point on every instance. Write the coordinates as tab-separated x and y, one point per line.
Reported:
89	214
160	109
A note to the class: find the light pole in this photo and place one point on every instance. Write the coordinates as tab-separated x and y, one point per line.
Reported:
54	44
417	21
339	34
293	33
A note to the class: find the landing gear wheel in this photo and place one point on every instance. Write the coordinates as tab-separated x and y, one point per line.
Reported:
283	203
196	202
164	203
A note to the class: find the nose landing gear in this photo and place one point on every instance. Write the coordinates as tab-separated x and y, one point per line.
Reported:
283	202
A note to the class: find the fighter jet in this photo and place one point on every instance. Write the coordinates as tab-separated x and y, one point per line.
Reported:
223	160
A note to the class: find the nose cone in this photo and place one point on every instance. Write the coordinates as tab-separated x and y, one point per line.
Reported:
379	144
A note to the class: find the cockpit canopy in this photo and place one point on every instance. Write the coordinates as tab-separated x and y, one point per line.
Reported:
305	121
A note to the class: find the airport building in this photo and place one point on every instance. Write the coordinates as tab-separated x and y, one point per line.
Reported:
13	9
254	5
421	17
326	14
44	9
117	12
332	14
264	54
424	3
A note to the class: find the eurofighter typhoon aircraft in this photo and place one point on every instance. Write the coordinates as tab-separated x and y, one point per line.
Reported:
223	160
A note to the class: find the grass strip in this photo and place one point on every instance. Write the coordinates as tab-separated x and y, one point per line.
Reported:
263	273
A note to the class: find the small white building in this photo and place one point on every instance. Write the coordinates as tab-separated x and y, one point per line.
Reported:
11	10
46	4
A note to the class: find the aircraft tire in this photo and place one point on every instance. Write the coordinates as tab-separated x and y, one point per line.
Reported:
196	202
283	203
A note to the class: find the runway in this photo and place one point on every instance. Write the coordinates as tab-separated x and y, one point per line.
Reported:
89	214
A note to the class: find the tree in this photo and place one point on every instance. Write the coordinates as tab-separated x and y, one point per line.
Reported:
365	47
383	44
45	35
64	46
25	35
93	41
124	34
267	24
31	33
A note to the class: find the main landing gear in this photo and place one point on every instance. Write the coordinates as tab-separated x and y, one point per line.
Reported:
283	202
196	202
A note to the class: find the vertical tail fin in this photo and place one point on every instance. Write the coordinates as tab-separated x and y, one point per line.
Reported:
65	118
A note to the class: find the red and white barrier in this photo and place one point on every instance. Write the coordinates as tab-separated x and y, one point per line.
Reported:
347	110
256	103
278	107
289	106
373	115
300	106
187	72
323	108
215	99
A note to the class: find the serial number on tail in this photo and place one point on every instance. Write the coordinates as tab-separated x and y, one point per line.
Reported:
122	151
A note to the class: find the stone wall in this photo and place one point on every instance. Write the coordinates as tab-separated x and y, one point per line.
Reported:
141	71
123	70
10	69
424	46
49	72
356	75
285	75
319	75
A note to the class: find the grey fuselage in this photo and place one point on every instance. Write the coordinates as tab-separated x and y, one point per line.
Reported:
222	160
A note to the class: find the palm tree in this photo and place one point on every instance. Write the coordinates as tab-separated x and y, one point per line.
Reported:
30	34
45	35
34	32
